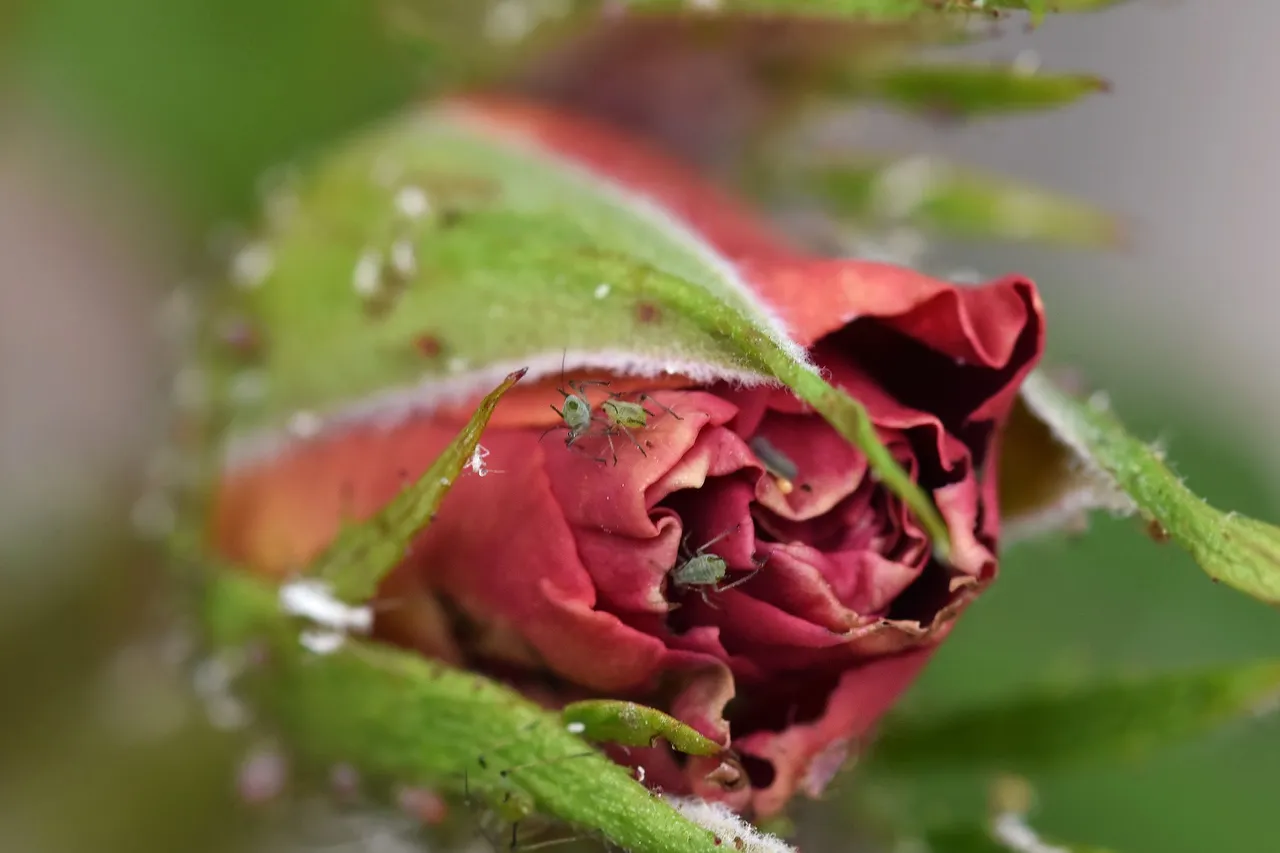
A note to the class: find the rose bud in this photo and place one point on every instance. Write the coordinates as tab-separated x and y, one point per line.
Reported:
738	566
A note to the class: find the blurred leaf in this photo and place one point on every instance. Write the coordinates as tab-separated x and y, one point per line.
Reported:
1066	726
950	200
963	91
438	252
981	839
396	716
629	724
1239	551
708	87
206	95
364	553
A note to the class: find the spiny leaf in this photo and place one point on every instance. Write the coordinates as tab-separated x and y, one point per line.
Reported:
961	91
539	261
398	717
629	724
1242	552
364	553
945	198
1007	835
1120	719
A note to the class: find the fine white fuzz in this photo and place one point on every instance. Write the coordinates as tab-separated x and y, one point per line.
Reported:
733	831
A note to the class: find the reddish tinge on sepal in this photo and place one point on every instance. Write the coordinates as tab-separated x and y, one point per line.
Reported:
557	574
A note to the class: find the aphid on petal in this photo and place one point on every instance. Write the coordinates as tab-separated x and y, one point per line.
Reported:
704	571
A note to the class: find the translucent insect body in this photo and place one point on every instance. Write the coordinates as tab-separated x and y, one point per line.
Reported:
615	416
704	571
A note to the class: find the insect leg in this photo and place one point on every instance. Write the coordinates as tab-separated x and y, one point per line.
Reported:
631	436
664	407
739	582
707	545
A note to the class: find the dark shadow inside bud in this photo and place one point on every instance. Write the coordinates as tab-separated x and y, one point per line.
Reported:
760	772
928	380
924	597
788	701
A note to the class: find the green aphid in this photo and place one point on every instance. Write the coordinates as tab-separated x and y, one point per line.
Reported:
623	416
704	571
575	412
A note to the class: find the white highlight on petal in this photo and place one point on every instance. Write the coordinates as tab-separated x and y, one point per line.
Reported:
733	832
314	600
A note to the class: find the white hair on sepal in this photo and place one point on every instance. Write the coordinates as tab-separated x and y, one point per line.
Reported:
734	832
390	407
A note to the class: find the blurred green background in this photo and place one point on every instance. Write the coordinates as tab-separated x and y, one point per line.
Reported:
1114	601
132	129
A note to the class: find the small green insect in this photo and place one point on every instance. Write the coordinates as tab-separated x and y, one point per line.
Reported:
623	416
705	571
616	415
575	412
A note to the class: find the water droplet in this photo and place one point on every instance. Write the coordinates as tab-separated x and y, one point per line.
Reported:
902	187
321	642
403	259
1026	63
412	201
304	424
366	278
262	776
252	266
509	21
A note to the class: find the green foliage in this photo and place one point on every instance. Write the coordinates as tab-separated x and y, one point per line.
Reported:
362	298
630	724
946	199
1242	552
966	91
397	716
1078	724
363	554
